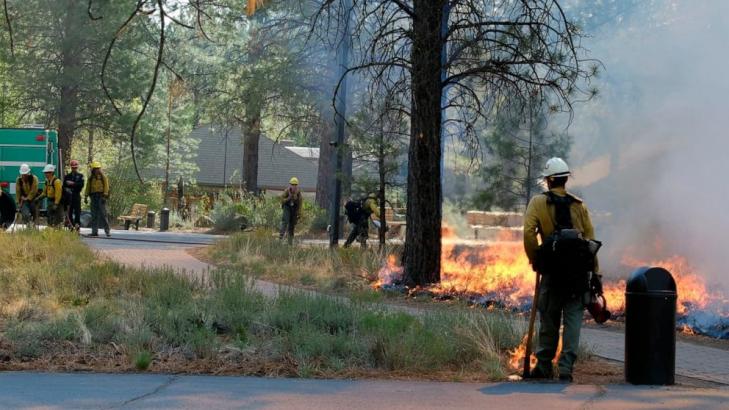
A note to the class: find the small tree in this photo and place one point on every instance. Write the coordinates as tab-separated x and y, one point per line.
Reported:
379	135
517	145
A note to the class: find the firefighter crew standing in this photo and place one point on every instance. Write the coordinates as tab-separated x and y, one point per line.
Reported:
26	190
359	214
557	302
291	203
53	190
73	182
97	188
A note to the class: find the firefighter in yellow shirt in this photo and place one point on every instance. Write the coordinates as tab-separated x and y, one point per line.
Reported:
359	214
558	299
97	187
26	191
53	190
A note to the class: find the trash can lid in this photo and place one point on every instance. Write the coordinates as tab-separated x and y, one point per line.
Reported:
651	279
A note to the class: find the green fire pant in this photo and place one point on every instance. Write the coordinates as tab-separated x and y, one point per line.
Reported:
288	223
556	307
98	214
56	214
360	231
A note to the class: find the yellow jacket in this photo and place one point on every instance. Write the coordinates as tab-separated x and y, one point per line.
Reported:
97	184
53	190
290	198
539	221
370	206
23	189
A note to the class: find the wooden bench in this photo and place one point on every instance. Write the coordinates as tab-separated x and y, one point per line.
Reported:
139	212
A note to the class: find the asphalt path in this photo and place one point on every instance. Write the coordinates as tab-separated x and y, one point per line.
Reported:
20	390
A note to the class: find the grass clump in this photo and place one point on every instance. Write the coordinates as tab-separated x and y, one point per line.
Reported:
261	255
222	324
142	360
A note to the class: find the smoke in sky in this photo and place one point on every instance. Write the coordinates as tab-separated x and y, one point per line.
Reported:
651	152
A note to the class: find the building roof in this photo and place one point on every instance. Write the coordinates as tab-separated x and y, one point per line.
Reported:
220	160
306	152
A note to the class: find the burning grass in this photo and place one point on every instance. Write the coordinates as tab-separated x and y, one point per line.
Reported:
67	311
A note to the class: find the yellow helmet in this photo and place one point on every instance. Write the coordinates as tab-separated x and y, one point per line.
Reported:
294	181
95	164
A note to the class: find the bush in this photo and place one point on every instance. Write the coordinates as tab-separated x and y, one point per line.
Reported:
142	360
126	190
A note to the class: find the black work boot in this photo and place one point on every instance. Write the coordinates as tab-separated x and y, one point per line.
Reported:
565	378
539	373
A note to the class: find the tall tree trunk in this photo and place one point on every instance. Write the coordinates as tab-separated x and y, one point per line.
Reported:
90	156
324	180
381	194
168	143
70	68
421	257
251	138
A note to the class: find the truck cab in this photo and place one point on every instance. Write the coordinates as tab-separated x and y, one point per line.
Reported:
33	145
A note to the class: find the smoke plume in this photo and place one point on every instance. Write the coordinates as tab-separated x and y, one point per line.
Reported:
650	153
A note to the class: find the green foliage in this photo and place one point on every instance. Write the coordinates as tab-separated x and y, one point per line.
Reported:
158	311
263	255
126	191
142	360
518	145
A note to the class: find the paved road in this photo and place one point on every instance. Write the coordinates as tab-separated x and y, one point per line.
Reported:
700	362
86	391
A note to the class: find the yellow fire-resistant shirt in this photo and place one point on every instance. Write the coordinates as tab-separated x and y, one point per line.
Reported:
24	189
371	207
539	221
53	190
97	184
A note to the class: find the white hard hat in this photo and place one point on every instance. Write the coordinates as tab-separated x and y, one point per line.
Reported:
24	169
49	168
555	167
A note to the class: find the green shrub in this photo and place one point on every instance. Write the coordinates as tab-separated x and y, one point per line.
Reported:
126	190
142	360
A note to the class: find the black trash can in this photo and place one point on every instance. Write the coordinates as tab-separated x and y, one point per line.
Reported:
650	327
150	219
164	219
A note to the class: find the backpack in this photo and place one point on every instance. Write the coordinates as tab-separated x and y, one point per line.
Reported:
355	210
66	193
566	256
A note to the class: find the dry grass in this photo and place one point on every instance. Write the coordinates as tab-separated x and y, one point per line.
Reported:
64	310
260	255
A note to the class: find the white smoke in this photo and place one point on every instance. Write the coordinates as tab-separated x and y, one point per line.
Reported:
652	150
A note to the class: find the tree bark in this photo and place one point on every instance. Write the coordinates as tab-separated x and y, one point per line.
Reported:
70	68
421	256
381	194
90	156
168	146
324	181
251	139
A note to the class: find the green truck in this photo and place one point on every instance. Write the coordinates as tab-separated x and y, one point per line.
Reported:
35	146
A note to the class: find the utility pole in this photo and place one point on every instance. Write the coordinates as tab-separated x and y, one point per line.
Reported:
340	121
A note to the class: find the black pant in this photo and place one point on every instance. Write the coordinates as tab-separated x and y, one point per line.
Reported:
360	232
74	210
288	222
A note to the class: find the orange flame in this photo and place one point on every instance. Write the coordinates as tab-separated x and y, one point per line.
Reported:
690	286
500	268
501	271
516	356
